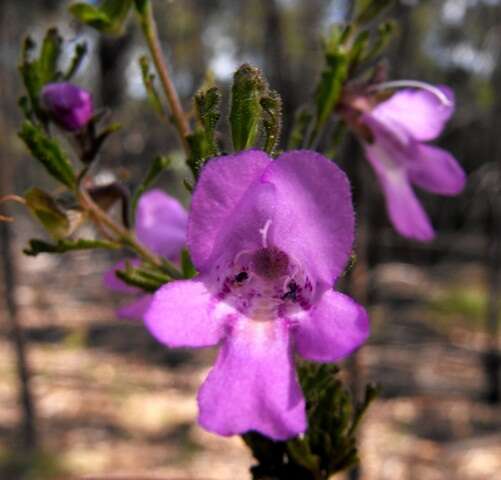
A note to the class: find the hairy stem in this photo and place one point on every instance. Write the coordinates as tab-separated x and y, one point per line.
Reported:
150	32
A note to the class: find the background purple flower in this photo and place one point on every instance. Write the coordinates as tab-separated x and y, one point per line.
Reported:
269	238
399	156
161	226
69	106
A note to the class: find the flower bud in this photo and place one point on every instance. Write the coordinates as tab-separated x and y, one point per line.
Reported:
68	105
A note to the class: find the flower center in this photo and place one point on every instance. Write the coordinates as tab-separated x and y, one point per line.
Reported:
265	284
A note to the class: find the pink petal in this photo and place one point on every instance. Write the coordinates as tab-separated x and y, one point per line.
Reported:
405	211
161	223
313	218
332	329
253	385
112	282
421	113
137	309
184	314
221	190
437	171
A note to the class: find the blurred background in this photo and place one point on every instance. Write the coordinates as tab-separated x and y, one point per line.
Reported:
104	399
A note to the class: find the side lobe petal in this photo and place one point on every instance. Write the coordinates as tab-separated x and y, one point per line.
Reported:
221	190
436	171
253	385
314	217
161	223
332	329
183	313
421	113
405	210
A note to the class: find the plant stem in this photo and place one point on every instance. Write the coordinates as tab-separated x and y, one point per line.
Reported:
125	236
149	27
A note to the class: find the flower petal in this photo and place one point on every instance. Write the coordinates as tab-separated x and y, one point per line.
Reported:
332	328
112	282
421	113
161	223
253	385
184	314
217	201
405	211
137	309
314	217
437	171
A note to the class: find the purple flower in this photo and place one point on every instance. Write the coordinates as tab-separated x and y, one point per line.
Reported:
399	156
269	239
161	226
69	106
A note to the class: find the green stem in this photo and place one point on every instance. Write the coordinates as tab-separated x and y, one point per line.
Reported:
148	25
126	236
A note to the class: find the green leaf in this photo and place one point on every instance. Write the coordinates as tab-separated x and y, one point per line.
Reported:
49	57
37	246
108	17
331	84
48	153
202	141
385	33
149	85
45	208
246	112
272	120
159	165
141	6
76	61
368	10
144	277
31	77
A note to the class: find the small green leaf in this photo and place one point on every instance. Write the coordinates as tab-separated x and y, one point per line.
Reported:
246	112
272	120
159	165
37	246
299	131
108	17
76	61
385	33
49	153
144	277
149	85
368	10
45	208
31	77
49	57
358	50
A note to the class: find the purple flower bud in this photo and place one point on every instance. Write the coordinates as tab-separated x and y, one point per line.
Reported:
69	106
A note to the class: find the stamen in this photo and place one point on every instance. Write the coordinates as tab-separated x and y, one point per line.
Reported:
412	84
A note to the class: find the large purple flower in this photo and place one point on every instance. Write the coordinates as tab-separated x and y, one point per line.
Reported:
399	156
161	226
269	239
69	106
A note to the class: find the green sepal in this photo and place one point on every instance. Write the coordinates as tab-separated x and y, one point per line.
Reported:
368	10
108	17
358	50
187	267
384	35
143	277
159	165
200	150
246	111
37	246
149	85
45	208
272	120
48	152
